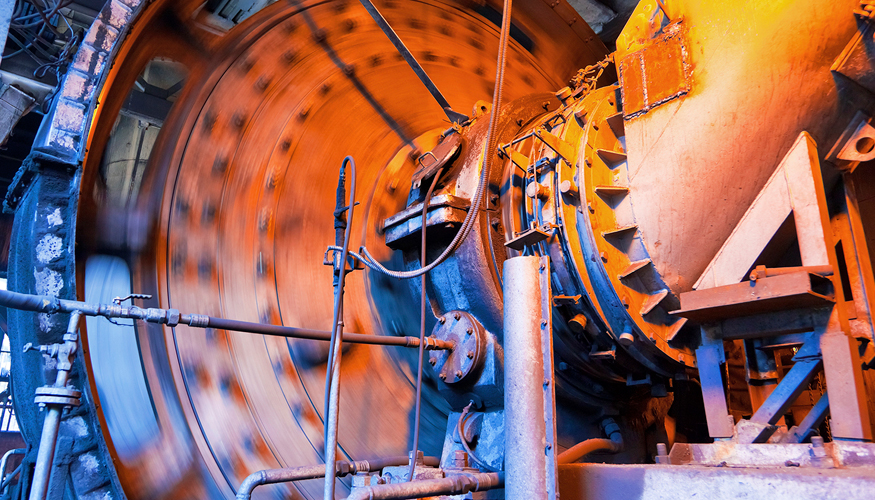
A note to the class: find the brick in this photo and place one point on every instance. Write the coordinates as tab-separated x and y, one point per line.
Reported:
78	87
69	116
101	36
116	14
88	60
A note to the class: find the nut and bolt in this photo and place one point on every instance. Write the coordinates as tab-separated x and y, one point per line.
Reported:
442	320
470	354
442	376
432	361
457	316
459	374
469	330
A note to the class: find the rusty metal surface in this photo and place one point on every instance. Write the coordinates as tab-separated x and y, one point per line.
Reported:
713	150
775	293
655	74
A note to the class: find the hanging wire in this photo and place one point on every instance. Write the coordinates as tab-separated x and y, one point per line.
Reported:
471	218
423	300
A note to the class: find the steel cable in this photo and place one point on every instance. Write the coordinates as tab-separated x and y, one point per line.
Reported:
422	303
471	217
336	348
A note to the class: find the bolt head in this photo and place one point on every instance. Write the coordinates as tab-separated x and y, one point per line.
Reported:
469	330
470	354
432	361
459	374
626	338
544	323
442	320
457	316
442	376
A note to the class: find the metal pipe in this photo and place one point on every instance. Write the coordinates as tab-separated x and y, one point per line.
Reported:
525	426
49	436
614	444
454	485
10	477
336	348
3	461
171	317
15	451
342	468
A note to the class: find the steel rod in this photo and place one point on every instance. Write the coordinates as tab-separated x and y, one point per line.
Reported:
47	304
413	63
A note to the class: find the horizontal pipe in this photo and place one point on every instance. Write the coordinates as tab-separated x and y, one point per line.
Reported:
584	448
343	468
303	333
171	317
454	485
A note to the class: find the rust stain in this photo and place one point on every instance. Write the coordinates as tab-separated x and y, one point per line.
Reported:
655	74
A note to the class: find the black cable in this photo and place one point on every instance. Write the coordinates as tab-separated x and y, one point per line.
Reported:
422	302
336	347
461	430
471	217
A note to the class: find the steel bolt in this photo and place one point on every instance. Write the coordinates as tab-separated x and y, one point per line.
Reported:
567	188
470	355
432	361
442	320
459	374
469	330
442	376
457	316
544	323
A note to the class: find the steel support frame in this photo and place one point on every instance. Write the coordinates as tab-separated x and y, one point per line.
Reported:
795	189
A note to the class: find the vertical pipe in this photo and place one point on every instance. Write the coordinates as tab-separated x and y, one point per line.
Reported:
49	437
525	427
46	454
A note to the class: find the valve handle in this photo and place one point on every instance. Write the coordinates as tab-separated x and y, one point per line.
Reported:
118	300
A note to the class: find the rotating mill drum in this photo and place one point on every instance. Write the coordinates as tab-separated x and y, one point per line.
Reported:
210	144
231	214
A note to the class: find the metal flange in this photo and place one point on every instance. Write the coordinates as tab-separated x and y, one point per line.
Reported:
469	338
62	396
